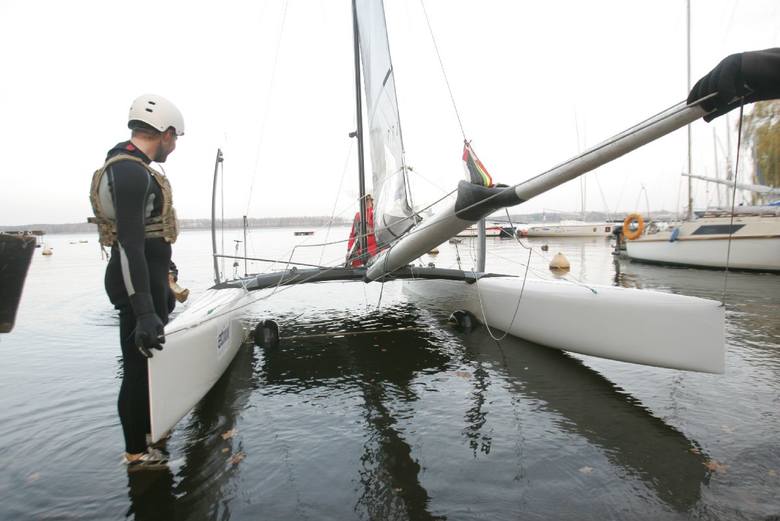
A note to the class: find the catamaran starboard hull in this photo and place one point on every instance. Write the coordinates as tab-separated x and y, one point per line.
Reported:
200	344
629	325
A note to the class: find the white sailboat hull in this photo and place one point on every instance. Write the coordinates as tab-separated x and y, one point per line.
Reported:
755	242
570	230
748	254
200	344
629	325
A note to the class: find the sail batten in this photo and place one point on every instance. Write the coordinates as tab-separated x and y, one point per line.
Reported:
393	213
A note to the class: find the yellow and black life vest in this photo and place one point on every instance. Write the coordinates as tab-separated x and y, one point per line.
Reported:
165	225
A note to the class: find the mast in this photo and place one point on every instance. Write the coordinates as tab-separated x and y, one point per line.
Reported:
362	227
245	226
213	216
689	214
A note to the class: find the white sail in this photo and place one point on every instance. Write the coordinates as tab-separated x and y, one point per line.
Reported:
392	209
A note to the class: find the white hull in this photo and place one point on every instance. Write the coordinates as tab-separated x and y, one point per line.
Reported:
570	230
630	325
754	246
200	344
746	254
490	231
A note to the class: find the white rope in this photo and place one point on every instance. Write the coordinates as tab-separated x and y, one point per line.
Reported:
517	307
443	72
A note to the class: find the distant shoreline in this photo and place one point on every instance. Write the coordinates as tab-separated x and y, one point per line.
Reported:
192	224
321	221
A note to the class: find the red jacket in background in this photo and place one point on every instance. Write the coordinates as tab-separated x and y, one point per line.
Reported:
370	239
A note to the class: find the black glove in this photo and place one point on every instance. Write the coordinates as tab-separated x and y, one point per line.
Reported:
754	75
149	331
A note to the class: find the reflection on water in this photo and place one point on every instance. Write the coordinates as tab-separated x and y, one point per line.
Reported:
206	458
590	406
380	354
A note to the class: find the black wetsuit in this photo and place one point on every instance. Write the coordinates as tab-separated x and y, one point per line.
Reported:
137	265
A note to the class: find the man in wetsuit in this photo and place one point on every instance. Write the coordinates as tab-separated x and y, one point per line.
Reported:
134	212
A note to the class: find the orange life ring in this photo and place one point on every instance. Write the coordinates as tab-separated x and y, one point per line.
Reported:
640	226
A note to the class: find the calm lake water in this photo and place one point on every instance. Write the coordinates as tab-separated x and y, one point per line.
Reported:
374	408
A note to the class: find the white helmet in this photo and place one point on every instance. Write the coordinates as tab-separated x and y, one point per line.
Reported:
156	111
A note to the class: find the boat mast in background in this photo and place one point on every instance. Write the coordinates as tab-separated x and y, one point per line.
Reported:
358	134
217	162
689	214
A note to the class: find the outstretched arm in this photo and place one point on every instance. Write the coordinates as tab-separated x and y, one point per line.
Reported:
754	75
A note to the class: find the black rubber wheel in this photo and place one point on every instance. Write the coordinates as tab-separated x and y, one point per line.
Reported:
463	321
266	334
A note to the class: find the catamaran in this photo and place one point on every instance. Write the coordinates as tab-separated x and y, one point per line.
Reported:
656	329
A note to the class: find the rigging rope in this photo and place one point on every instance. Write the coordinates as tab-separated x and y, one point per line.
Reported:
267	106
338	191
444	73
733	202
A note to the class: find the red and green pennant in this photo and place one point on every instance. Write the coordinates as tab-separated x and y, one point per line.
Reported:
476	171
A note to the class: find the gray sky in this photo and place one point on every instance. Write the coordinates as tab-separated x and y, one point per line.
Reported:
271	82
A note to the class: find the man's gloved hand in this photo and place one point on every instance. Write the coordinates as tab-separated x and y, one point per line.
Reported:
149	331
754	75
725	81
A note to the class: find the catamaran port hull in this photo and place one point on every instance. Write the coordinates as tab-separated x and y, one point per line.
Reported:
200	344
629	325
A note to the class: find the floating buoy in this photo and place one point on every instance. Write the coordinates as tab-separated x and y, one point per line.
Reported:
434	251
560	263
47	251
545	247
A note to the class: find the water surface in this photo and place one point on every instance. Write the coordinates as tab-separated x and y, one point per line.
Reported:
373	407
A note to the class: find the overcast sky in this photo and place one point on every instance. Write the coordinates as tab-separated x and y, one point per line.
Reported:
271	82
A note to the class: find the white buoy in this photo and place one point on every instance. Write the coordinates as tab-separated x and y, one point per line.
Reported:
560	263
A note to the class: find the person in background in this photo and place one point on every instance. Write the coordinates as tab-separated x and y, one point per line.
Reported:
133	208
355	256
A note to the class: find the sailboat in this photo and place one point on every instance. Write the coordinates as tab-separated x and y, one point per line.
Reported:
745	237
569	229
654	328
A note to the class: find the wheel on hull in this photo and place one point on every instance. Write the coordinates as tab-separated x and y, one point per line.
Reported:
266	334
463	321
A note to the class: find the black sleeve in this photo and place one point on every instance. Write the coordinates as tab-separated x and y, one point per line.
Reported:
754	75
130	184
761	70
